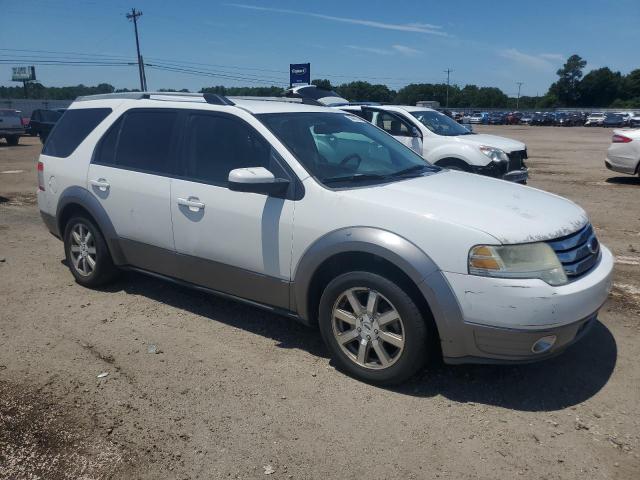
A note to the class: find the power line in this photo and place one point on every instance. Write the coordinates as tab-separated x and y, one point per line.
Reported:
204	73
134	16
390	80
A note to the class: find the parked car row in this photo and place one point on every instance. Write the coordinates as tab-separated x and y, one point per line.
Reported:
13	125
316	213
561	119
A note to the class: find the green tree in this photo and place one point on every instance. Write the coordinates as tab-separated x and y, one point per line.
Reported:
415	92
630	87
599	88
245	91
322	83
566	88
364	91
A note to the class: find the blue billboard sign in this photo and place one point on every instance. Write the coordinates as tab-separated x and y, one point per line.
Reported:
299	74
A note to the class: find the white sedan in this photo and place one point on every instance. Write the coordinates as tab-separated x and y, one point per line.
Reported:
623	154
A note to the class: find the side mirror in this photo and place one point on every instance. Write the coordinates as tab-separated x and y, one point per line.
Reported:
256	180
415	132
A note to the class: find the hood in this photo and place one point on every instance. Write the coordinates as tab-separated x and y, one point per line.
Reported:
509	212
506	144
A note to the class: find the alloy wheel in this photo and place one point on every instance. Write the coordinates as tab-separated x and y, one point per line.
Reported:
83	250
368	328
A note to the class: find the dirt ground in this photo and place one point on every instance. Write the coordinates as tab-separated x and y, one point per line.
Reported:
235	392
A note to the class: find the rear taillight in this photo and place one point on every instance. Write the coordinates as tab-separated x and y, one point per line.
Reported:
41	176
620	139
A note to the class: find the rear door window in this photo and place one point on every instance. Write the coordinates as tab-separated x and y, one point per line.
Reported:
72	129
141	140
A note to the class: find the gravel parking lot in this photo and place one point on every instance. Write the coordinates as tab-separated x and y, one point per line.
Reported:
200	387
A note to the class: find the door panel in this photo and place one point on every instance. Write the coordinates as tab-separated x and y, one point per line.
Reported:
242	240
129	175
247	230
137	203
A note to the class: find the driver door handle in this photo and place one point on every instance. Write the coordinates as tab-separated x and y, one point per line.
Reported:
100	183
191	202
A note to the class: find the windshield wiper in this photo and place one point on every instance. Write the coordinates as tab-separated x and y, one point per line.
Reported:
358	177
412	169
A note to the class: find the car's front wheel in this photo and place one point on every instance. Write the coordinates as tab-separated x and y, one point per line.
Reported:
373	329
87	254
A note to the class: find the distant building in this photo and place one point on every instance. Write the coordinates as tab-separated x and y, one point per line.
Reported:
428	104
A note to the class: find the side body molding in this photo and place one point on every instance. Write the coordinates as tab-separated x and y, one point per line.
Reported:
83	198
415	263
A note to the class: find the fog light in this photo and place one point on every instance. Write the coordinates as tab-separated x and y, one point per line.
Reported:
544	344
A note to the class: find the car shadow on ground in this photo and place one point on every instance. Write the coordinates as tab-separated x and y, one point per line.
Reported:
560	382
624	180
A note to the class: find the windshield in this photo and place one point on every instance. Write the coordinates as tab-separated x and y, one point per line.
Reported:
440	124
341	149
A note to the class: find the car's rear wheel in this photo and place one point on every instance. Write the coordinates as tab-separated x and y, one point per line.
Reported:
373	329
13	140
87	254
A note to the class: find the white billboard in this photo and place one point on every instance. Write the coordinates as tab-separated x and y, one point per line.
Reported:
23	74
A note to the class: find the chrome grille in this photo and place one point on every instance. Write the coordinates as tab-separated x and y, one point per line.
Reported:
516	159
577	252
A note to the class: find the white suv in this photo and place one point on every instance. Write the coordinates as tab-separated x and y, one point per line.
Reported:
444	142
316	213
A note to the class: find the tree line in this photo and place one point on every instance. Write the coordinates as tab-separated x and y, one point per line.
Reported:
601	87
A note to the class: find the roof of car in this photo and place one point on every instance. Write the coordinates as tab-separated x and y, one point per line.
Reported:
406	108
196	101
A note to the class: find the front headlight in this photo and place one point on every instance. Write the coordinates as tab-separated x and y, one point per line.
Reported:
528	260
494	154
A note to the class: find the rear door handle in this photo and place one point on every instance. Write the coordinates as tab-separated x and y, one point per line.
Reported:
101	184
192	202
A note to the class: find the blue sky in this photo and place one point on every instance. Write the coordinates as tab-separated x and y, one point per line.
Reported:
492	43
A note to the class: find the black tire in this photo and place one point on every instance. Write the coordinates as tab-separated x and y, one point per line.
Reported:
104	270
13	140
416	347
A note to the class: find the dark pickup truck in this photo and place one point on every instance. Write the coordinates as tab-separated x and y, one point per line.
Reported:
42	121
11	128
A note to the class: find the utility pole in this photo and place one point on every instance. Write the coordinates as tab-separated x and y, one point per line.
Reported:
518	99
448	72
143	79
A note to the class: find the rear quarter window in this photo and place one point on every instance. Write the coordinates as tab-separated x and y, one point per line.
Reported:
72	129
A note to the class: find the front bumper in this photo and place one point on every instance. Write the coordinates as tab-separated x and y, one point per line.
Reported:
501	319
518	176
514	170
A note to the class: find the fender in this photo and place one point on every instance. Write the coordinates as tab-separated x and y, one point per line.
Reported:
460	151
414	262
82	197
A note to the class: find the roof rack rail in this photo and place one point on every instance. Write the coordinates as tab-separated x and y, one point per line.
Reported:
306	101
212	98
